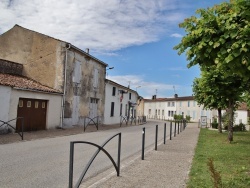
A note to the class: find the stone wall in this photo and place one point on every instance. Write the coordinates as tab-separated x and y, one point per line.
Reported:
8	67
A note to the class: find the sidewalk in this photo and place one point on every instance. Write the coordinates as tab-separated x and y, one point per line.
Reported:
167	167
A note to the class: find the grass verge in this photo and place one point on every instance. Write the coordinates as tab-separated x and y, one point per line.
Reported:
231	161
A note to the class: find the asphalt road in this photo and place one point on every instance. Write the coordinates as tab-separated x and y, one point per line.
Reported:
45	162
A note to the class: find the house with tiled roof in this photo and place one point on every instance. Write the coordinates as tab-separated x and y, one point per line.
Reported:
166	108
21	96
57	66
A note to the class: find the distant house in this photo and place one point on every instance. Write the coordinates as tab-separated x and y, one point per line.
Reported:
120	102
61	66
23	97
166	108
241	114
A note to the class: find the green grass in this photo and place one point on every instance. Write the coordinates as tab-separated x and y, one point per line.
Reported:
232	161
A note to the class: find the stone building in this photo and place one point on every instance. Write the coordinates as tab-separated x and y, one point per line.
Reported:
59	65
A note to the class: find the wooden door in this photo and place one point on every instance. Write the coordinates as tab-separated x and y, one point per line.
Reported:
34	113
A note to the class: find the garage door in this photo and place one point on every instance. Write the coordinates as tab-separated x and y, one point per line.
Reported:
34	113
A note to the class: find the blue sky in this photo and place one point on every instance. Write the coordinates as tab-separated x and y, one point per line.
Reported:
135	37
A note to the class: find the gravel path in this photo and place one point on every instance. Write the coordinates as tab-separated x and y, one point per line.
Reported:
167	167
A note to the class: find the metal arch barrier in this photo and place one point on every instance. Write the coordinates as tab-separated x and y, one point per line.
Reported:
133	120
7	123
91	120
123	119
100	148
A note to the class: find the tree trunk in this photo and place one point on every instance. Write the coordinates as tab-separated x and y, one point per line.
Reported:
231	120
219	120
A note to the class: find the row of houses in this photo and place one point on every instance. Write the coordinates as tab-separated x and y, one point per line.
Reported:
52	83
166	108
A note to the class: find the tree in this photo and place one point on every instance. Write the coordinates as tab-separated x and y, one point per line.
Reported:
216	91
207	93
219	37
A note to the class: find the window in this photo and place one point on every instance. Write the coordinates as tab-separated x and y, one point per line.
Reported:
113	91
172	113
149	111
94	100
155	112
120	109
112	109
159	112
77	72
129	96
194	103
188	103
126	110
20	104
28	104
194	114
163	112
168	104
36	104
180	103
95	81
169	113
202	112
43	104
172	103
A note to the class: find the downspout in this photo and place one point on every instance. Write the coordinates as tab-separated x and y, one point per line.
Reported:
65	84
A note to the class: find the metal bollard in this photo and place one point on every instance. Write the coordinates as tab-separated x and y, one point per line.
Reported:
165	133
174	128
178	127
171	130
156	136
143	143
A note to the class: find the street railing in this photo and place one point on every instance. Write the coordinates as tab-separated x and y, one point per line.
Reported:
8	125
100	148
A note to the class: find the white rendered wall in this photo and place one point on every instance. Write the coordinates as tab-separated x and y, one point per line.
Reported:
53	105
116	99
241	117
5	93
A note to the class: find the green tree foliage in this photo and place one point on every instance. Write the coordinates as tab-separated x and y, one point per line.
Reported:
218	39
219	36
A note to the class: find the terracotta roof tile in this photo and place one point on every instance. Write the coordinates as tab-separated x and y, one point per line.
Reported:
243	106
171	99
24	83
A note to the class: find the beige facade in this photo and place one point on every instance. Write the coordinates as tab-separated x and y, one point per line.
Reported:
46	60
166	108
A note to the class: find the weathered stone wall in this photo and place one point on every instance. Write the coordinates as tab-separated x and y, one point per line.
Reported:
84	90
8	67
42	57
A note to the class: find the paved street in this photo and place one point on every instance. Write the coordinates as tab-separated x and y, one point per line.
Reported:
45	162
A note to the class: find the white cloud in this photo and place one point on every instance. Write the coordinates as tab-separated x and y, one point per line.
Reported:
176	35
102	26
178	69
147	89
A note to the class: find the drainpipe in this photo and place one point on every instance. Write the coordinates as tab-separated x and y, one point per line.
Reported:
65	84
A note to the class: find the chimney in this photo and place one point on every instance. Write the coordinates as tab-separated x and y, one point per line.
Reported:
87	50
175	96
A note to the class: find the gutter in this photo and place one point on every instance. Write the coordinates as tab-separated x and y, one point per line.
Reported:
65	83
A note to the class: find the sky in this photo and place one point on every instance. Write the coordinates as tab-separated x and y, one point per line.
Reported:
136	37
